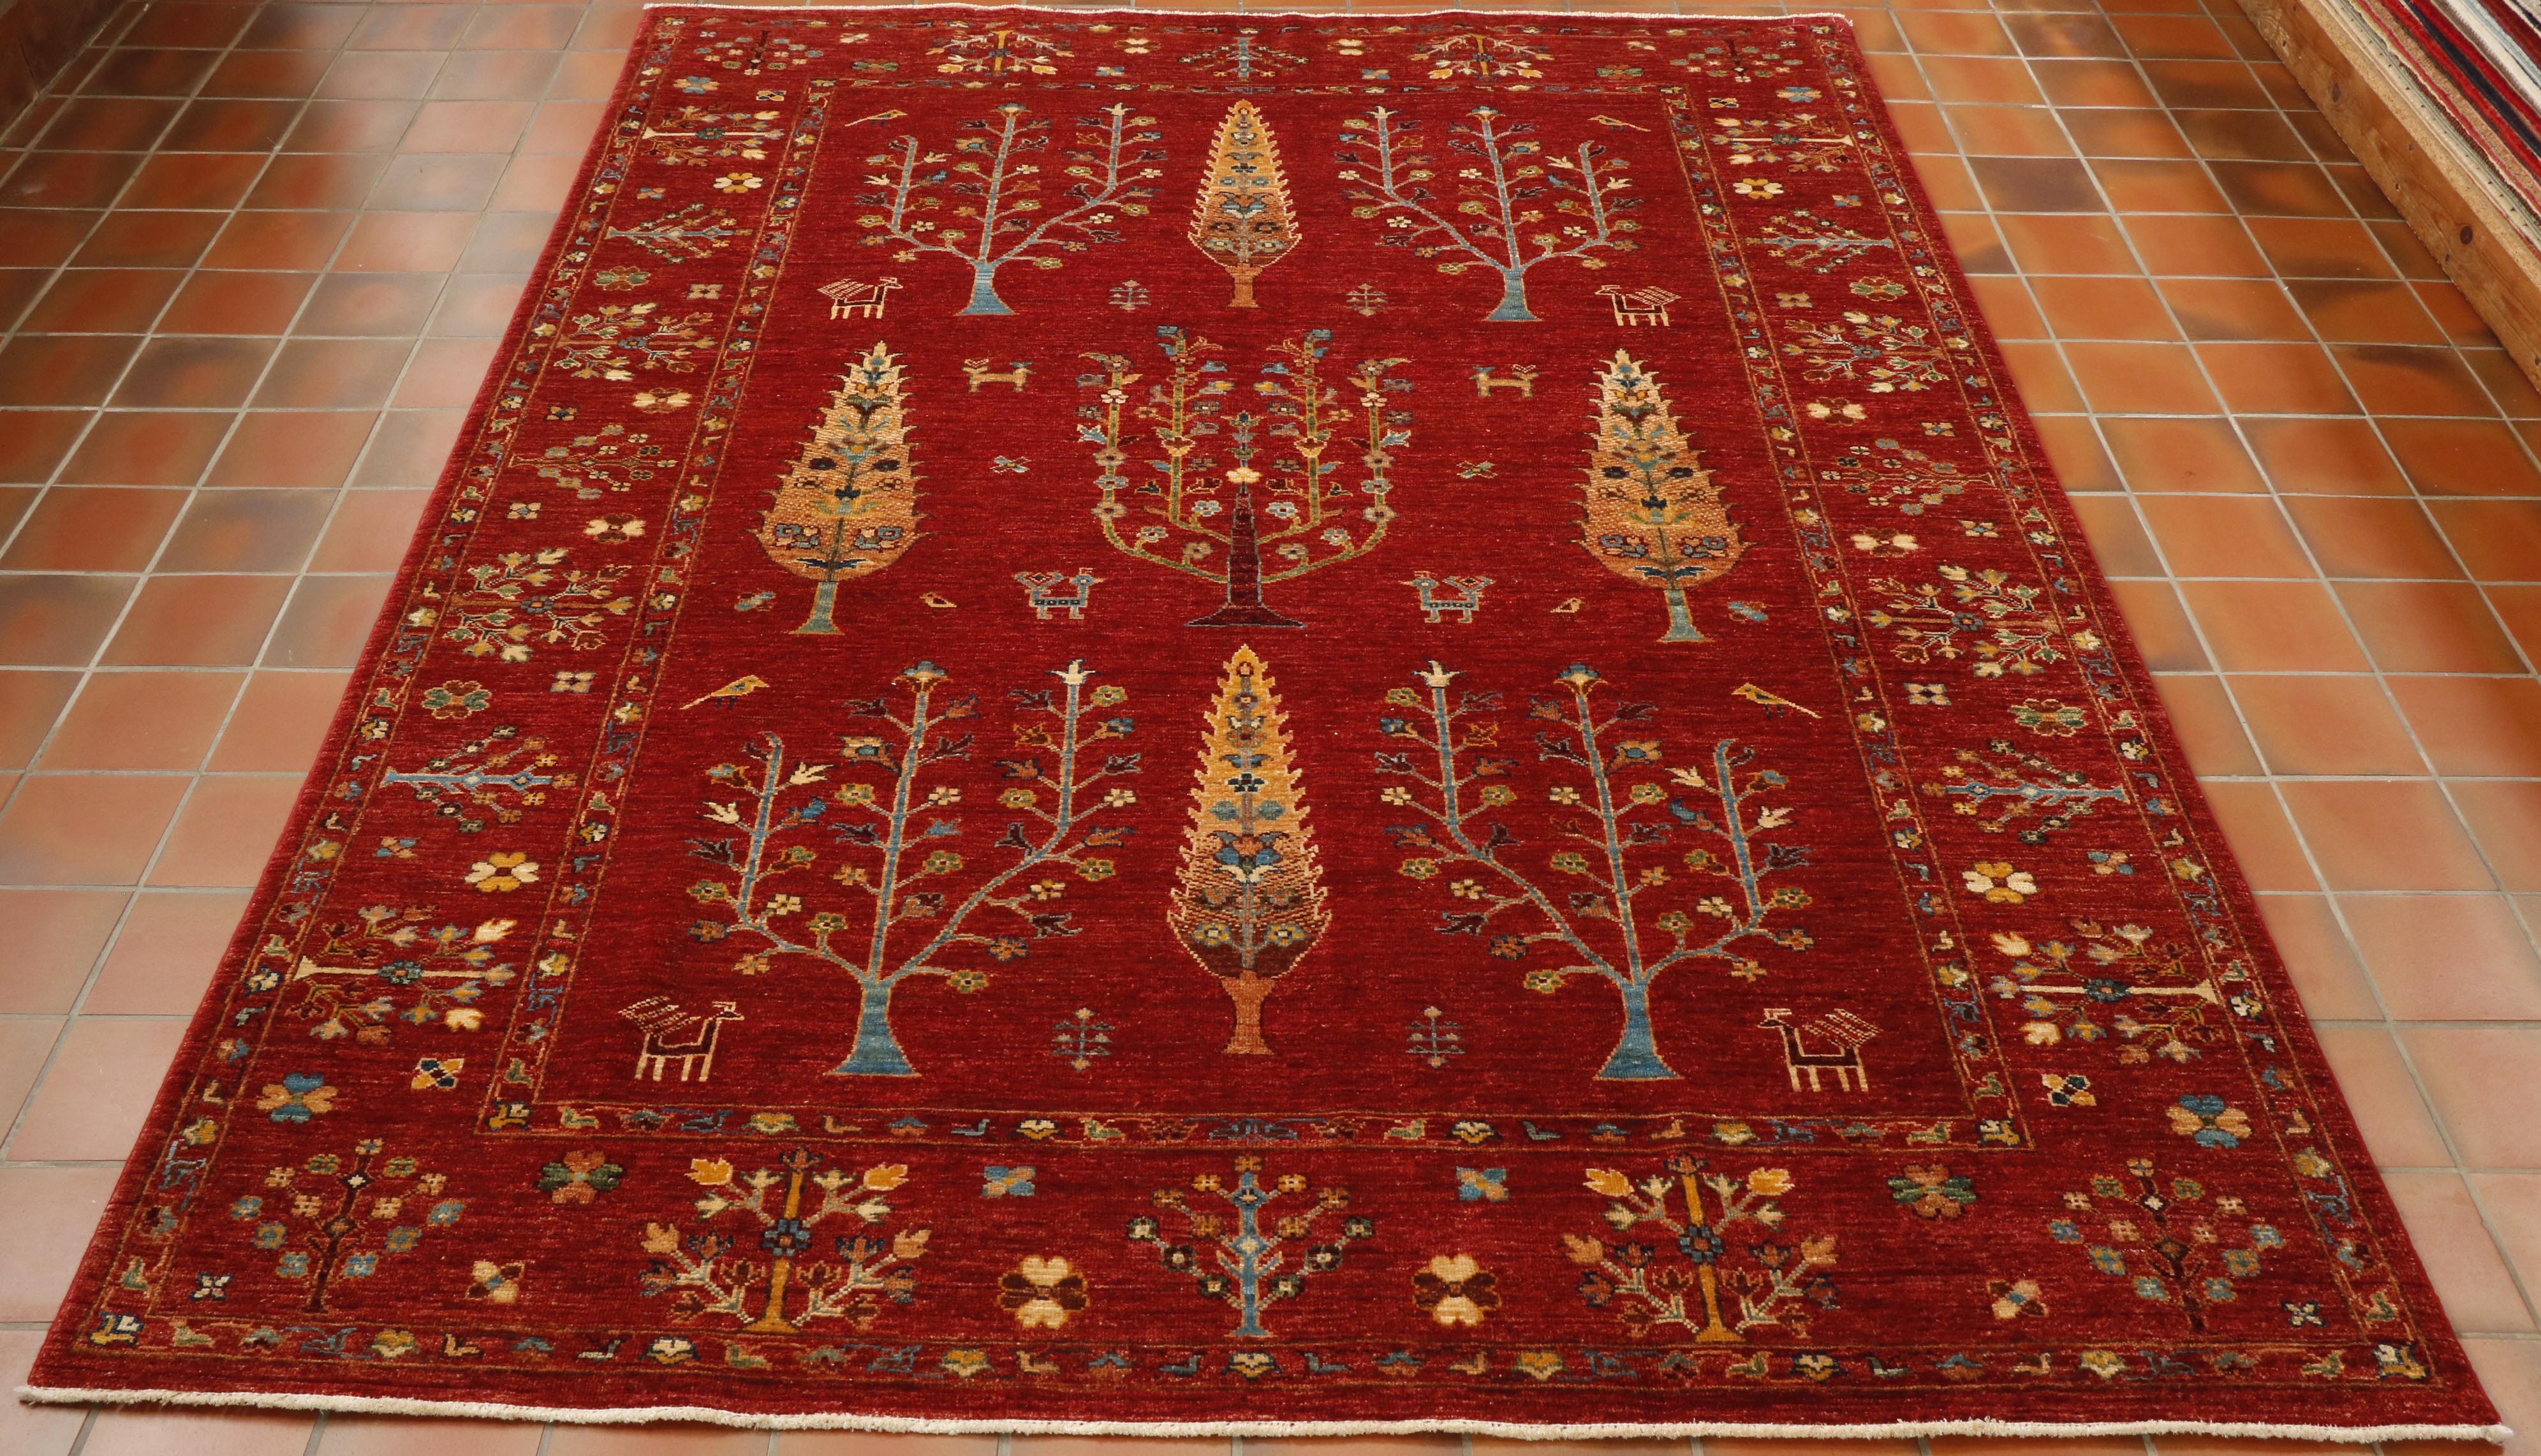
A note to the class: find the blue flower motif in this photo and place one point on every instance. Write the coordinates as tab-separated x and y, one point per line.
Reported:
2151	1289
272	1236
401	1238
246	1208
362	1266
293	1266
445	1213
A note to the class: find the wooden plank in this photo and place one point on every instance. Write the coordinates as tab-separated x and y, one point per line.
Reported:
2444	190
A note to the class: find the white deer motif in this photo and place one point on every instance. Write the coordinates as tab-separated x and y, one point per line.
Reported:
672	1035
849	298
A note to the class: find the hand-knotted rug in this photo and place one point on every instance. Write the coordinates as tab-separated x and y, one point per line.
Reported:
1121	723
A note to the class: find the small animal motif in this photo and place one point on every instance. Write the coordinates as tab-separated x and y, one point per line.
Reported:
1521	377
939	601
1772	702
1634	308
1434	606
737	688
1045	592
674	1035
1010	465
1839	1034
1477	469
849	298
981	374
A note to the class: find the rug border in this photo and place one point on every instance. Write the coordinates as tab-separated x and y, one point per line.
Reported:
1514	1430
2057	500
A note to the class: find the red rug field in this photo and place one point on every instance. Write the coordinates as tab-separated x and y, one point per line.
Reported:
1256	724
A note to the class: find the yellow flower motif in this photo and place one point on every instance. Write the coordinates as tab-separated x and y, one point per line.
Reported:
1999	882
738	182
712	1172
1770	1182
503	873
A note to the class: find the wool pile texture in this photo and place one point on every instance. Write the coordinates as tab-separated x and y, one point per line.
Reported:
1120	723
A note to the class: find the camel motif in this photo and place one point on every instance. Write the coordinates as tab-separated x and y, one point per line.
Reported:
1521	376
672	1035
849	298
1634	308
1840	1029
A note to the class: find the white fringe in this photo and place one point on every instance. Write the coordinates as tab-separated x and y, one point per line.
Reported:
1515	1429
1247	17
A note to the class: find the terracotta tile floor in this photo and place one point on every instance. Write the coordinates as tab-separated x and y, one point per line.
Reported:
253	257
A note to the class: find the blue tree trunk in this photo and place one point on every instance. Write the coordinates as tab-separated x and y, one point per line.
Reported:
1636	1053
1513	309
983	291
876	1053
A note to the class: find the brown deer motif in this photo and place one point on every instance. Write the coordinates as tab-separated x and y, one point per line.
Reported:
1521	376
672	1035
1841	1031
981	374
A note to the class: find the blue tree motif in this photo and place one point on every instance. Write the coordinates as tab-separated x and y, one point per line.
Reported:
1054	804
1504	226
998	209
1612	927
1251	1269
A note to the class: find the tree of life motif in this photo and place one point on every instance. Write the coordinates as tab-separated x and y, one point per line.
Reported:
1308	508
389	966
903	892
336	1217
1243	220
847	506
1241	1259
1251	902
785	1289
998	204
1650	511
2166	1238
1505	173
2157	997
1615	821
1631	1274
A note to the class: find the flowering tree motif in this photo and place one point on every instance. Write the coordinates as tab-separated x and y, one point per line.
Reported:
1301	411
1986	613
2155	998
1249	1270
1474	57
1887	474
998	193
519	602
904	885
1497	196
603	344
1650	512
693	136
1774	1287
1601	925
684	235
1805	240
2165	1237
389	965
591	466
1251	902
1245	58
998	51
336	1217
847	506
1799	141
492	779
1882	354
2005	788
784	1291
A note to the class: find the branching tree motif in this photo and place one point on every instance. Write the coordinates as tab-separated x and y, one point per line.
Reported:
336	1217
520	601
1497	197
1243	220
998	196
1250	1272
1650	512
1602	820
2154	996
1646	1289
847	506
2166	1238
1301	411
785	1291
904	885
591	466
1251	902
1475	56
621	339
390	965
1985	614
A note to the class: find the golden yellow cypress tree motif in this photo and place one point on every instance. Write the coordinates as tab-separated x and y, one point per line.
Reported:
847	506
1652	513
1250	903
1243	219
